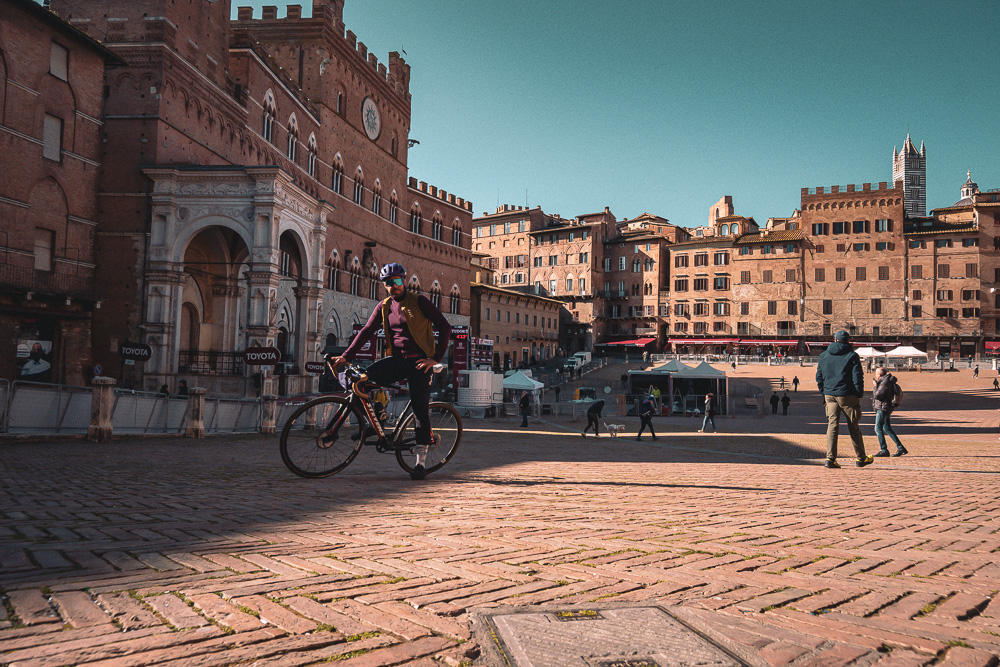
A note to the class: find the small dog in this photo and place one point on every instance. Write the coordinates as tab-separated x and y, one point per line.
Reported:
615	429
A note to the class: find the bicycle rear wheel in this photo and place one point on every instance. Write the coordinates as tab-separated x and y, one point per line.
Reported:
446	433
322	437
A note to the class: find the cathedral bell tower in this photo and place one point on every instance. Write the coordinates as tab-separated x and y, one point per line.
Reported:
910	167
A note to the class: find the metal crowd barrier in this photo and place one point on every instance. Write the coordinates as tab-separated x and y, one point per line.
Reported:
35	407
232	415
139	412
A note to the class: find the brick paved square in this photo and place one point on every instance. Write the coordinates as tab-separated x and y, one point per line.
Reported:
151	551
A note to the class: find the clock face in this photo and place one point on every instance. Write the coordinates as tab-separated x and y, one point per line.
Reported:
371	119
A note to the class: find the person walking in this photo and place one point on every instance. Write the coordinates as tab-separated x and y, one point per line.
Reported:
646	412
774	403
557	393
841	382
709	417
996	384
733	365
884	402
525	404
781	382
593	417
975	372
785	401
795	383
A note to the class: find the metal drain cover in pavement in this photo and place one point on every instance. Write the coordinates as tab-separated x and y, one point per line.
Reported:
620	637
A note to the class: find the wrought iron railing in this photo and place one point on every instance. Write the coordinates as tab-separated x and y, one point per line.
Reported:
196	362
80	284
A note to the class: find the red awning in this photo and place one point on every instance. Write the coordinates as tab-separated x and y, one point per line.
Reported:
769	342
702	341
856	343
638	341
993	345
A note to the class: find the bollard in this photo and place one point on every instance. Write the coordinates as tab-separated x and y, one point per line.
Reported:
269	414
102	401
196	413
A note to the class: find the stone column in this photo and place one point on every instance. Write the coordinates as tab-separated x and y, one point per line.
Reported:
196	413
163	293
269	414
102	401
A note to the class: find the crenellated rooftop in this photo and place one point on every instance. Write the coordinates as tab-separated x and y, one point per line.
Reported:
433	191
329	14
836	189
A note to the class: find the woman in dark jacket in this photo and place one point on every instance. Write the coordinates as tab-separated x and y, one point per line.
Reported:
882	400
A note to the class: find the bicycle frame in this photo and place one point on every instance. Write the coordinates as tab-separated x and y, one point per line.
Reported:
357	397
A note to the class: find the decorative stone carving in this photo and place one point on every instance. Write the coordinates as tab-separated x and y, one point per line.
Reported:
218	189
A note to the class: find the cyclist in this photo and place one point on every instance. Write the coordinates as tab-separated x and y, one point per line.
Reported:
408	320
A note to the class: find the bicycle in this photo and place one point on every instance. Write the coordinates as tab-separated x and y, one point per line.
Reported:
323	436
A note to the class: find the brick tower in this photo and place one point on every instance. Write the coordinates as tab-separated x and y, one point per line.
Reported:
910	167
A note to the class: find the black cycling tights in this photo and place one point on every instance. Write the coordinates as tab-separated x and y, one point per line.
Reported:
393	369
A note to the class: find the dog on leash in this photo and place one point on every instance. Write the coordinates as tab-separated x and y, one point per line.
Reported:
615	429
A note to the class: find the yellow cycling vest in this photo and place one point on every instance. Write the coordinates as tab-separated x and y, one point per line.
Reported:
418	324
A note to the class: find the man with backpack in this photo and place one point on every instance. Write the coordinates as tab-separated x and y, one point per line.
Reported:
886	397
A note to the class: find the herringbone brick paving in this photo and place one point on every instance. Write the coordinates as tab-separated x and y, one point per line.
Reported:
179	552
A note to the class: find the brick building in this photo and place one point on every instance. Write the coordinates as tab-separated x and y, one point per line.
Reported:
635	280
51	82
255	176
548	256
523	326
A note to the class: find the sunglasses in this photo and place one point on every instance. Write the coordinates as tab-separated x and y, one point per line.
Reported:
393	281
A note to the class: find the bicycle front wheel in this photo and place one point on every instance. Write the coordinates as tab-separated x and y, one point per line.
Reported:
446	434
322	437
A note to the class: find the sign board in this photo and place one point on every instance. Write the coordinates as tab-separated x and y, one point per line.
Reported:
261	356
98	369
367	351
135	351
315	366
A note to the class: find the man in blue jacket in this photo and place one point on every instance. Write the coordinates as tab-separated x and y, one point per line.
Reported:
841	381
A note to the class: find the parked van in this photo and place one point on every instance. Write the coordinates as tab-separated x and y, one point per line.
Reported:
584	357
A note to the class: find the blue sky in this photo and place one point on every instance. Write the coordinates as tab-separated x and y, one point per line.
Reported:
667	106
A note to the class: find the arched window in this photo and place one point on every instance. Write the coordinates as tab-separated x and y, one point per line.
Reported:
393	207
340	101
293	138
735	229
355	280
392	146
455	301
724	230
373	283
338	176
311	159
377	198
270	109
456	235
333	273
436	228
435	295
416	220
359	188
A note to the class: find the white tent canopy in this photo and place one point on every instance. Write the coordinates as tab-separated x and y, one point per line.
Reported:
704	369
866	352
672	366
906	352
521	382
